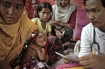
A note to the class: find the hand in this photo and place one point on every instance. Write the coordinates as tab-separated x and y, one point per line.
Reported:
93	61
52	23
66	44
4	65
71	58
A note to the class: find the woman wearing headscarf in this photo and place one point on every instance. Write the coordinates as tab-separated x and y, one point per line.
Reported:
64	14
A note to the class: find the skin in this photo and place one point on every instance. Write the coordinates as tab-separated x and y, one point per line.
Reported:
58	34
34	4
11	10
44	16
36	49
41	40
63	4
95	12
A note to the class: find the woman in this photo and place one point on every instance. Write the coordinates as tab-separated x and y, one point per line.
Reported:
14	29
64	14
33	4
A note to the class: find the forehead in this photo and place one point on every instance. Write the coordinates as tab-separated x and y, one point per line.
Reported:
63	0
33	1
94	4
14	1
42	34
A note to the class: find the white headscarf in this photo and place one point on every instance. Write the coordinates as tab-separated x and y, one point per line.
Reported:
62	14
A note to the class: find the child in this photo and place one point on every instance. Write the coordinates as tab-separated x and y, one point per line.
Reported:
58	42
36	49
44	13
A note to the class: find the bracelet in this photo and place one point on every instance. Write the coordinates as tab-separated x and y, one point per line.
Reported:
61	24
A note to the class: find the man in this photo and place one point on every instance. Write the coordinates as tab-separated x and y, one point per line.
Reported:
93	32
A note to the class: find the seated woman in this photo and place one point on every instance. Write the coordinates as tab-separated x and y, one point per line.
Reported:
64	14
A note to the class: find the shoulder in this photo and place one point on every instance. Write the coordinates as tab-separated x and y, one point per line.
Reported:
88	26
34	19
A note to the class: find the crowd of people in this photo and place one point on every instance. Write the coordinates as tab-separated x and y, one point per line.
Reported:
53	27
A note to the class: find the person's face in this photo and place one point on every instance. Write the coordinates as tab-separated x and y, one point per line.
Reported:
41	39
63	3
11	10
59	34
34	4
96	13
44	14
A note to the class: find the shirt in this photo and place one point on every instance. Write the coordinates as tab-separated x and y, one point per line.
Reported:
87	39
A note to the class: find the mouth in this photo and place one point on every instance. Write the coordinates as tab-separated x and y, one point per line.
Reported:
10	19
94	22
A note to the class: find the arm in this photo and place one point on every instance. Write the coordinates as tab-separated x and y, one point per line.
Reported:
87	59
41	54
71	23
4	65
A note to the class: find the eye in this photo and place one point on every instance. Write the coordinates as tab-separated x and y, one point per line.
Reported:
5	4
18	6
96	11
44	39
39	37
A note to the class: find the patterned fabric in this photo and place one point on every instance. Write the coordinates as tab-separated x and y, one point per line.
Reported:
54	44
32	63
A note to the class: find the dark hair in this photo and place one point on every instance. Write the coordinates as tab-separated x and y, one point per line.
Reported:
24	2
44	5
37	1
102	1
67	35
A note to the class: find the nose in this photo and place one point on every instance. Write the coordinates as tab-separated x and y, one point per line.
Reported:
45	15
10	10
91	16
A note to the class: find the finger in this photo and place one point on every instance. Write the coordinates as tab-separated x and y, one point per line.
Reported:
83	58
85	62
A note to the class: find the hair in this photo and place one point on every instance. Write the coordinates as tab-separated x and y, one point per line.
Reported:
24	2
37	1
44	5
102	2
68	33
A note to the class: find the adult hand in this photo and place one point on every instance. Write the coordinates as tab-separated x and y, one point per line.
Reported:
92	61
71	58
53	23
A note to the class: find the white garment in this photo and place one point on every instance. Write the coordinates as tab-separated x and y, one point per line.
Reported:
63	14
87	39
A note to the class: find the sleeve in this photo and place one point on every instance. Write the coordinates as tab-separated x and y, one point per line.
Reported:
85	42
72	20
33	20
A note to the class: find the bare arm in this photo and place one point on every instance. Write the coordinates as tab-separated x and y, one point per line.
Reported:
41	54
4	65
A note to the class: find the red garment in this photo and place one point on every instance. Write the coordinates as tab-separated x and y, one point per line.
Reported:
72	20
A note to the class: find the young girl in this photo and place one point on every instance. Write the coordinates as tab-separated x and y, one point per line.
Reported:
35	52
36	48
44	13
